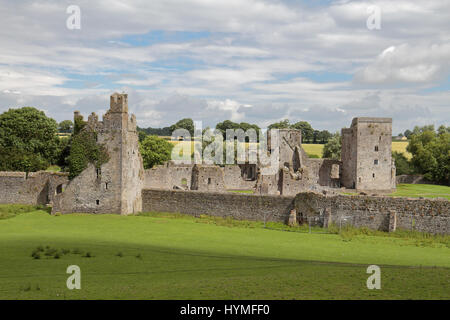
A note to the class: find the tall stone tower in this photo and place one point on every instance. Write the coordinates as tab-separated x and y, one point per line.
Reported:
367	155
116	186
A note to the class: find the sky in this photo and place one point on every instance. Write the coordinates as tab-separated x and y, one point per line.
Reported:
242	60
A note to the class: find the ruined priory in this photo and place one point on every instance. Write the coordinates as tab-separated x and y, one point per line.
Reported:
121	185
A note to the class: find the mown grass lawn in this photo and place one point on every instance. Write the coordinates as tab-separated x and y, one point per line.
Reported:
422	190
161	257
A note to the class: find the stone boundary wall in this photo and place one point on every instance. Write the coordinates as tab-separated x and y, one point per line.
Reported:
380	213
234	205
36	188
412	179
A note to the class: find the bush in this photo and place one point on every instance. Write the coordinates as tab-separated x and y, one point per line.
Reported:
36	255
51	252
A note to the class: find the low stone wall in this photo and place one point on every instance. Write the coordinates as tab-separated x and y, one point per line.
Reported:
235	205
412	179
380	213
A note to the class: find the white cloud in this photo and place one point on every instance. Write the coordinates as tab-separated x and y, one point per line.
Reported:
408	63
255	60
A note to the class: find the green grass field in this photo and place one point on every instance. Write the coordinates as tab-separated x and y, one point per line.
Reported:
422	190
163	256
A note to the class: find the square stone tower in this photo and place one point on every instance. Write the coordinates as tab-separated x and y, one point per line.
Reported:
367	155
116	186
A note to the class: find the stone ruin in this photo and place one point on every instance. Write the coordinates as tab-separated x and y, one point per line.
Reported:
117	186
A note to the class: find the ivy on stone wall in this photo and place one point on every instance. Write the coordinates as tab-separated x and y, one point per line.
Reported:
84	150
79	124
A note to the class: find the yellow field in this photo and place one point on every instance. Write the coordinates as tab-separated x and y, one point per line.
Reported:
313	149
400	146
317	149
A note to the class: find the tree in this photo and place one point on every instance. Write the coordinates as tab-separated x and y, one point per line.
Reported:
63	152
185	123
280	125
402	163
79	124
154	151
227	124
407	133
332	149
65	126
28	140
431	153
324	136
141	134
156	131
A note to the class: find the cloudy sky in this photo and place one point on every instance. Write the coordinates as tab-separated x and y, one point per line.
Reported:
244	60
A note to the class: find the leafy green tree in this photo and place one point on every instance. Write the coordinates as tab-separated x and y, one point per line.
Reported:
324	136
332	149
65	126
79	124
141	135
431	153
284	124
28	140
12	159
186	123
402	163
407	133
63	152
442	129
155	150
227	124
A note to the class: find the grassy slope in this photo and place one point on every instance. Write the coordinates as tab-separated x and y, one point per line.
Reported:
184	259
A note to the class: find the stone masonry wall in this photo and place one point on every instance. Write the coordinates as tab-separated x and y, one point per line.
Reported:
380	213
233	179
36	188
235	205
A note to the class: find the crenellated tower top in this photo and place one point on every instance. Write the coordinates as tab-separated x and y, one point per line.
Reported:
119	102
